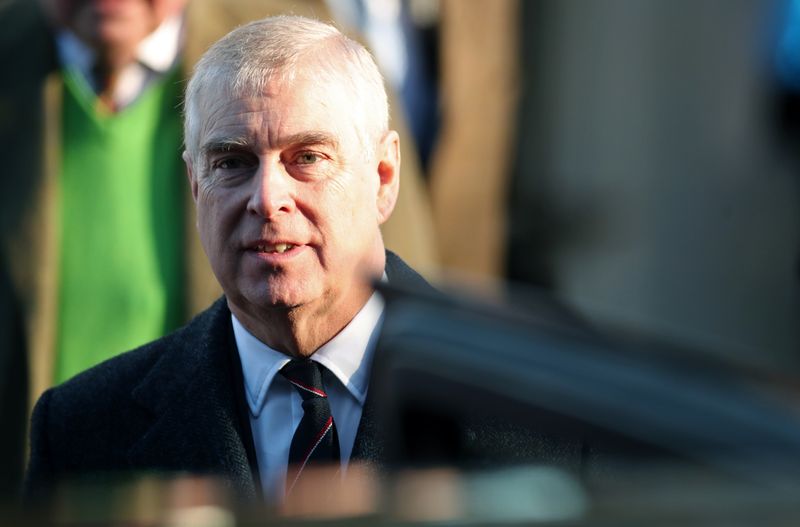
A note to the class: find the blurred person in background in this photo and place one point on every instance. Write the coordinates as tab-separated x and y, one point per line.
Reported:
13	382
97	229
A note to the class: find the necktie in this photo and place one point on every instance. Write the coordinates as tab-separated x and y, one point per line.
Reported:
104	84
315	442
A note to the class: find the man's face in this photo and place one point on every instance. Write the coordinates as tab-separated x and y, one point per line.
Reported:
105	24
288	201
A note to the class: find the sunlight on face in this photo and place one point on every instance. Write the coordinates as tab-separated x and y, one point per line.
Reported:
289	207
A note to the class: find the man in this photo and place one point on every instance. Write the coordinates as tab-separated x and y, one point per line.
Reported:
97	232
293	169
91	111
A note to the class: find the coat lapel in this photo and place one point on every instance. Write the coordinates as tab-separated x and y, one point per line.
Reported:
370	445
192	394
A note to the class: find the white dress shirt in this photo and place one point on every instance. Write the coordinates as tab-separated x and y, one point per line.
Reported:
276	407
155	56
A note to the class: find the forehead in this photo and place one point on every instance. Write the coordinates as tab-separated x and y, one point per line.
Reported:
282	109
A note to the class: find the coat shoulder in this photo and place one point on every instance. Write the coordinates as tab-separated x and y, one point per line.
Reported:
401	274
107	382
88	404
90	423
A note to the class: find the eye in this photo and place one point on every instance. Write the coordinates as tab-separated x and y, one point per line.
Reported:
307	158
229	163
231	168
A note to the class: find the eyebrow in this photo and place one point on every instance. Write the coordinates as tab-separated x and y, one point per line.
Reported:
232	144
228	144
311	138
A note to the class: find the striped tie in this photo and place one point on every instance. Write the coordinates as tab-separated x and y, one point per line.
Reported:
315	442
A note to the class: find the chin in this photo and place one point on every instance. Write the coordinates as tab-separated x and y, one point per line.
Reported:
109	35
283	297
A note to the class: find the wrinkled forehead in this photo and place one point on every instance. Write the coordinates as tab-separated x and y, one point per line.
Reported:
226	84
237	81
286	108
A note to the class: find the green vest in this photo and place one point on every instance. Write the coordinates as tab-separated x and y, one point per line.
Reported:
121	221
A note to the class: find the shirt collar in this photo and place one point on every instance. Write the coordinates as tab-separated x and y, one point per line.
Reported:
348	356
260	364
158	51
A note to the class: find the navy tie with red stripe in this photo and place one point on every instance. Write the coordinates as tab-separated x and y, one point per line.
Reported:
315	442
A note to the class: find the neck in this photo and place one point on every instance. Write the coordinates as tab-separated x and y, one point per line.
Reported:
113	61
300	331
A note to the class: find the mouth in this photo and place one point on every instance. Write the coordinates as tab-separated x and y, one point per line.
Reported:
276	248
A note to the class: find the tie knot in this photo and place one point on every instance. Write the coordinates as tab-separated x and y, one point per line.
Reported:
306	376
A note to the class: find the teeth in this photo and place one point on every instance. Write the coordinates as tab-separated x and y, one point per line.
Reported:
279	248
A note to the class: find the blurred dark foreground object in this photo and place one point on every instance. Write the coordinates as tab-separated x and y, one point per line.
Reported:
497	414
446	355
482	387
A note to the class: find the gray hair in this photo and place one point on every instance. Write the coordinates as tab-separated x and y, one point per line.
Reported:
242	63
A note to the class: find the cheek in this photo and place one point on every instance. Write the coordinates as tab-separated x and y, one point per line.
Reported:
351	212
355	192
341	207
205	227
215	216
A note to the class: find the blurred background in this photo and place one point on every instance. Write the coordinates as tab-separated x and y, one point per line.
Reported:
649	171
656	180
637	159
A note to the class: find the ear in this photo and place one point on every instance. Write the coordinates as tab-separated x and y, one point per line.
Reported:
190	173
389	174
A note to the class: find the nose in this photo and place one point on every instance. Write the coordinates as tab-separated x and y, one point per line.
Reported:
272	192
